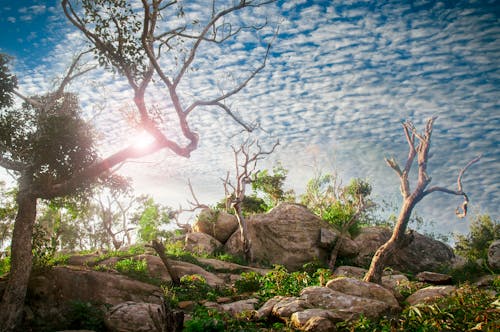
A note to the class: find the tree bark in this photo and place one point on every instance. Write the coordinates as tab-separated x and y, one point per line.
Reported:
243	228
21	261
160	250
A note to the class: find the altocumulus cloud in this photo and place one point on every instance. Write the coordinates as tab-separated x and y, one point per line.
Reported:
341	77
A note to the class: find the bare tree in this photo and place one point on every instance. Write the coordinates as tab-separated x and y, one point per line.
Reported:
130	41
419	145
245	163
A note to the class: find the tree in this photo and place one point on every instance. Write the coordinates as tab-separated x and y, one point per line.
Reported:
245	163
131	44
482	232
272	186
419	145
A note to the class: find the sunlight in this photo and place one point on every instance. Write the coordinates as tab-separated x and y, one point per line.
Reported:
142	140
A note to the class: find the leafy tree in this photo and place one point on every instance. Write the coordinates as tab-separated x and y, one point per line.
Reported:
419	145
131	42
272	186
151	219
482	232
8	82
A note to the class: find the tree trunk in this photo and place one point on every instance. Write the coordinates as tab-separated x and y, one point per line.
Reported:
247	250
11	307
160	250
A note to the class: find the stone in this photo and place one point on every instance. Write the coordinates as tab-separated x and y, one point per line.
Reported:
288	235
327	238
317	320
366	290
494	255
133	317
266	310
422	254
201	243
288	305
429	294
395	283
434	278
218	224
350	271
327	298
238	307
222	266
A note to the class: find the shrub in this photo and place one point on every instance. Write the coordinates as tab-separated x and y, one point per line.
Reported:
85	315
134	268
249	282
482	232
4	265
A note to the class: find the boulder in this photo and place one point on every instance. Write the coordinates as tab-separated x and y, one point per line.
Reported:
222	266
317	320
53	295
238	307
288	235
422	254
201	243
434	278
134	317
429	294
494	255
365	290
350	271
218	224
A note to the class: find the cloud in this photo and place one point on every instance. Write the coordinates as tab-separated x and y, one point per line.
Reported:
340	79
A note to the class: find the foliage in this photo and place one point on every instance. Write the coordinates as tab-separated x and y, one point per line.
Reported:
8	82
210	320
8	209
150	218
483	230
248	283
85	316
280	282
469	308
194	287
271	185
52	138
337	204
4	265
135	268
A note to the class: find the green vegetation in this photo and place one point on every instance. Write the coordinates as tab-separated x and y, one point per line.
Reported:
468	309
85	316
482	232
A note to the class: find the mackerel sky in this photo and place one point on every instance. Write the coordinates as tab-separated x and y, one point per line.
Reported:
341	78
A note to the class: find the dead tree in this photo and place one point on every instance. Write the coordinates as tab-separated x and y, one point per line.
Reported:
419	145
245	163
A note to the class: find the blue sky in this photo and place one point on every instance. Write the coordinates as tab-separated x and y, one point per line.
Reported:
342	76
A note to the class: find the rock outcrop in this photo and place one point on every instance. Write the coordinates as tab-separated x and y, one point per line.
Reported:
422	254
342	299
288	235
429	294
218	224
201	243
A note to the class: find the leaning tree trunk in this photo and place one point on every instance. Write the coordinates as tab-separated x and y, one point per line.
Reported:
12	303
394	244
243	229
160	250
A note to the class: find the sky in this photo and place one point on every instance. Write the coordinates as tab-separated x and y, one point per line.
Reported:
341	77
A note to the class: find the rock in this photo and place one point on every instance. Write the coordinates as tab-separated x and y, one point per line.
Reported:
156	269
222	266
366	290
395	283
133	317
494	255
353	306
327	238
288	235
434	278
317	320
429	294
80	260
348	248
350	271
52	295
266	310
422	254
288	305
201	243
218	224
238	307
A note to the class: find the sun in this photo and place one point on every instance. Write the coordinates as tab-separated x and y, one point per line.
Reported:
142	140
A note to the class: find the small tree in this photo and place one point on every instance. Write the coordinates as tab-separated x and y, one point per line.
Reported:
245	163
271	185
482	232
419	145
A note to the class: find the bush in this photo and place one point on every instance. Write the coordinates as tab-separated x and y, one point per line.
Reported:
249	282
134	268
4	265
85	315
469	308
482	232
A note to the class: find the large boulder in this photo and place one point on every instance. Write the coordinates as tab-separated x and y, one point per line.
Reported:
134	317
201	243
218	224
288	235
54	295
494	255
430	294
422	254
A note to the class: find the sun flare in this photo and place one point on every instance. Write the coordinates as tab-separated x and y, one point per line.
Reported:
142	140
